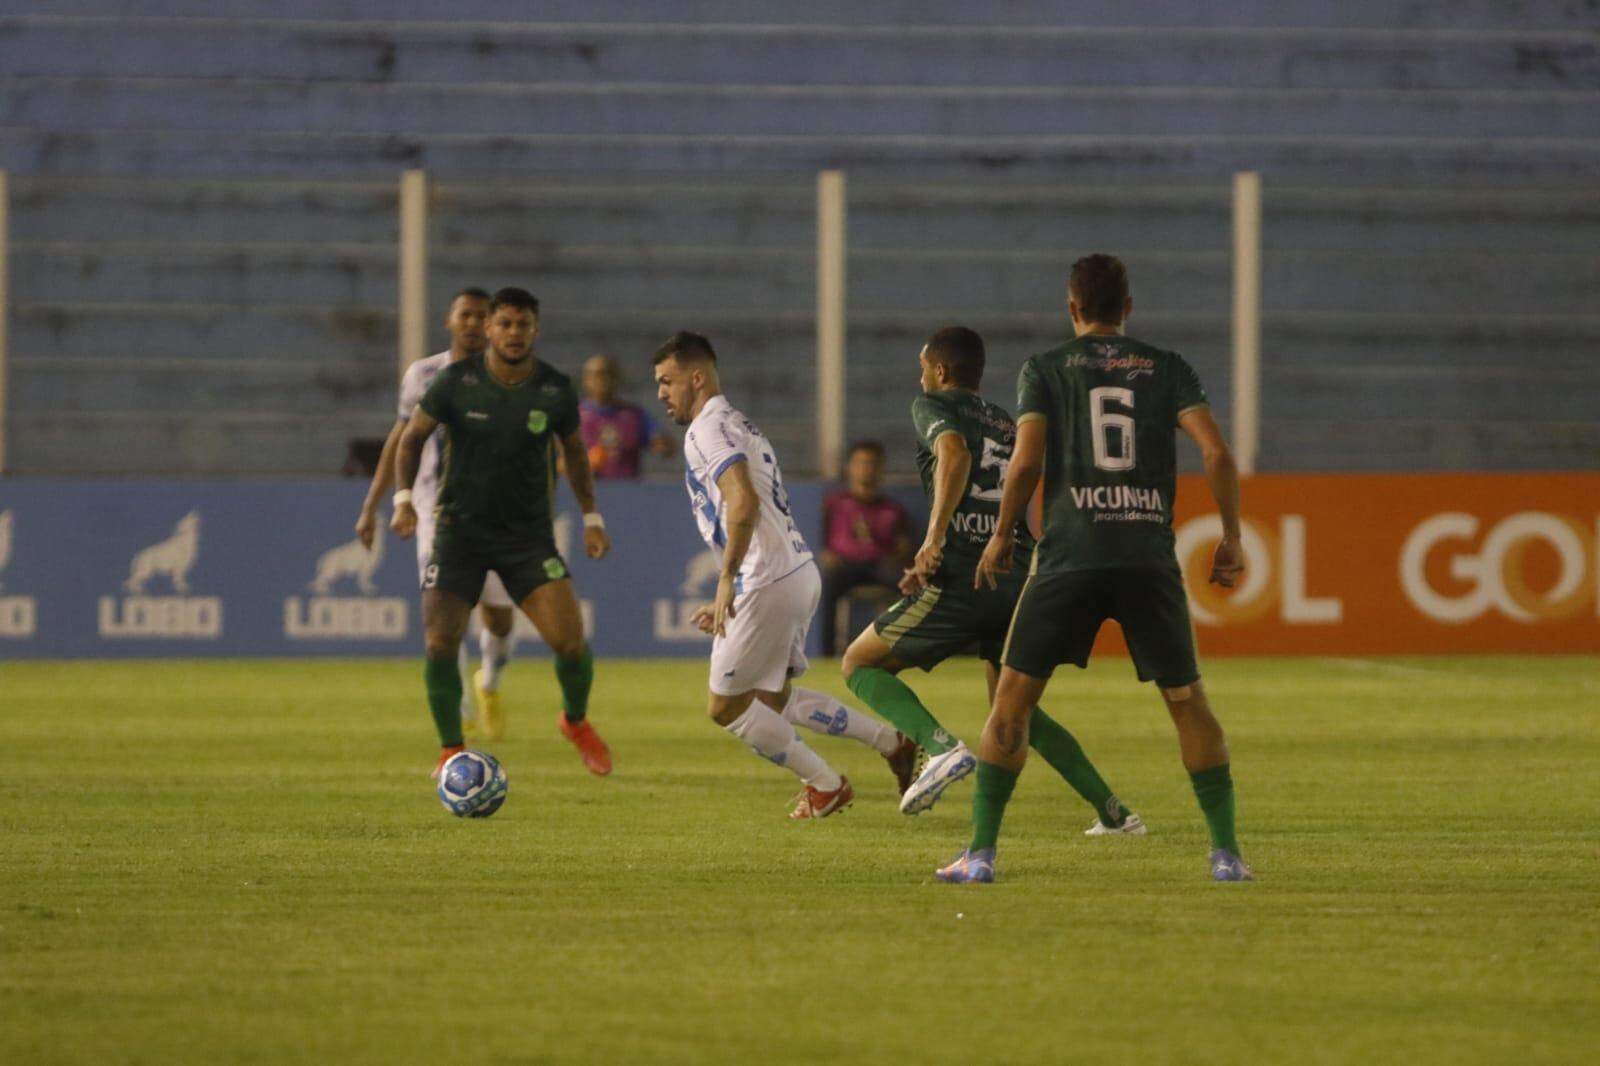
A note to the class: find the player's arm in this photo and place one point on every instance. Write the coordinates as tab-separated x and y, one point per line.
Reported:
1222	475
952	466
407	461
382	478
740	510
575	460
1022	477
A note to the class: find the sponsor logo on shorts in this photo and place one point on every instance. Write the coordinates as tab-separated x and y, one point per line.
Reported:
180	615
18	614
326	615
554	569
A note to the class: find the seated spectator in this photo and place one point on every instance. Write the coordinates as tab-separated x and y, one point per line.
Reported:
615	432
865	536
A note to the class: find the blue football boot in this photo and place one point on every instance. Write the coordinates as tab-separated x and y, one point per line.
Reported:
972	868
1226	866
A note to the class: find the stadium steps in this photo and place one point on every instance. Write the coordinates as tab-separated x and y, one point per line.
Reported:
1316	14
744	110
383	52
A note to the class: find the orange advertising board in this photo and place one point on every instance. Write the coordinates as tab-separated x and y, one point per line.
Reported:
1352	564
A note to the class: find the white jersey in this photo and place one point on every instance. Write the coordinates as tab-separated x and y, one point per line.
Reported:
418	376
719	437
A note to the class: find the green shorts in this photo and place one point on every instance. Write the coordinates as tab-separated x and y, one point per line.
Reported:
1059	615
947	619
460	561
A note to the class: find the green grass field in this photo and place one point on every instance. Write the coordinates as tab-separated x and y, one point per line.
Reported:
244	862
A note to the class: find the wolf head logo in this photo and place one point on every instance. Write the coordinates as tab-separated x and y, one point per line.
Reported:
700	575
174	557
351	559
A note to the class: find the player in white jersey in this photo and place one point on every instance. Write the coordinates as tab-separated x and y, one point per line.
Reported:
467	322
767	591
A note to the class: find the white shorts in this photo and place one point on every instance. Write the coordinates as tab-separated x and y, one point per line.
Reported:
766	641
494	592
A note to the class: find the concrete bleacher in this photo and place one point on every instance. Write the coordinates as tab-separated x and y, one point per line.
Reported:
203	210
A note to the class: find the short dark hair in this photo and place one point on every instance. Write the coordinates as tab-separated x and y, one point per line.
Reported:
873	446
1100	285
512	297
686	347
475	293
960	349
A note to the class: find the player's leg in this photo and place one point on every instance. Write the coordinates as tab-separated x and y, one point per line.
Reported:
553	609
495	639
1002	752
822	713
1204	749
1058	747
1055	621
1154	611
761	650
444	621
870	670
424	538
765	732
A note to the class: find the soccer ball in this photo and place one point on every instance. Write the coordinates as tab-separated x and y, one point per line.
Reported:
472	785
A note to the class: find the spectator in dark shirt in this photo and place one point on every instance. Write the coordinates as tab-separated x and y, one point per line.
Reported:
865	536
615	432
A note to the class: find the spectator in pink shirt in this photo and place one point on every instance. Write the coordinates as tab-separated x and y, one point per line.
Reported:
865	536
615	432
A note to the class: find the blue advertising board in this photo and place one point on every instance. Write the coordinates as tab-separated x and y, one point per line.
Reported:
273	568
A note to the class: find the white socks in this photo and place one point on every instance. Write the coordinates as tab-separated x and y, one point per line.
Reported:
496	652
821	713
772	738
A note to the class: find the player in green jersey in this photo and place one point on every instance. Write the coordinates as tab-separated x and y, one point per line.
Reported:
964	444
506	412
1097	417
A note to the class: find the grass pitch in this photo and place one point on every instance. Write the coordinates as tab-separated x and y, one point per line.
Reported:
244	862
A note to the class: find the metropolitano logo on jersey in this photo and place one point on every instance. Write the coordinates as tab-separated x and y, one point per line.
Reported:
141	613
19	615
326	615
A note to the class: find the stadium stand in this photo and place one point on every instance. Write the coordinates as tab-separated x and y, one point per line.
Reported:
1431	222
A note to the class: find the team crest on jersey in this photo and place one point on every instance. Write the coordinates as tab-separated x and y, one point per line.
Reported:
538	421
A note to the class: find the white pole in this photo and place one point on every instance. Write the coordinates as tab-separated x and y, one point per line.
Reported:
413	267
5	306
830	321
1246	319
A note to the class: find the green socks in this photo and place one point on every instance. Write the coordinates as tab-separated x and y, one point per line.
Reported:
989	803
1065	755
576	676
896	704
1214	789
442	679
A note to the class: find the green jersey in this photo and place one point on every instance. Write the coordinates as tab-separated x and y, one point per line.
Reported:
1111	407
499	459
990	435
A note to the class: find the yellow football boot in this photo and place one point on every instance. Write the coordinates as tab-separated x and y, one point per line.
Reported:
491	716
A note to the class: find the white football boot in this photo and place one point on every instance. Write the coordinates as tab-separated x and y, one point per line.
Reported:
941	772
1132	826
